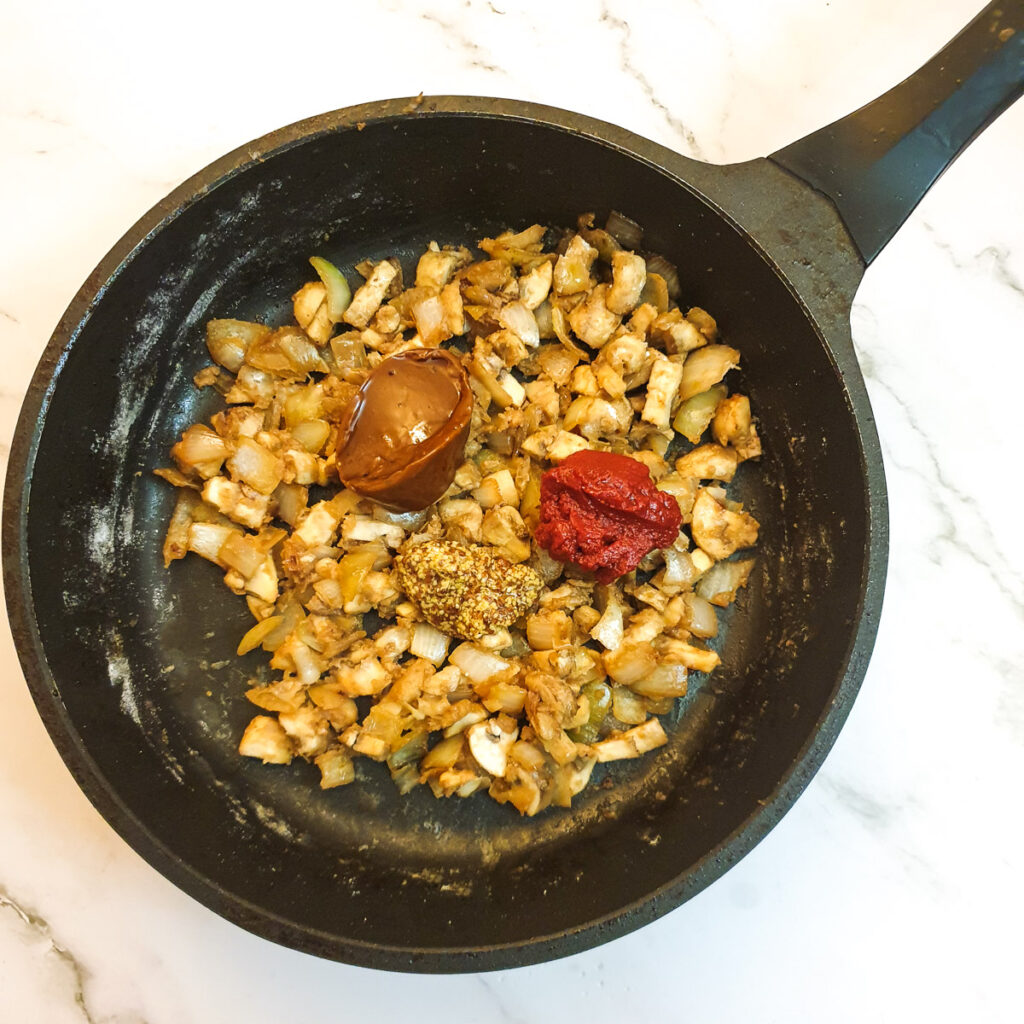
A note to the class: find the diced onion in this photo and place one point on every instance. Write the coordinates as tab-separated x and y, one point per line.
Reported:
291	502
302	355
308	666
631	663
229	340
655	291
363	528
352	570
430	320
705	367
263	583
701	619
429	643
312	434
176	539
206	539
608	631
625	231
252	464
504	697
329	591
478	665
666	680
657	264
255	636
548	630
284	695
339	294
703	321
443	754
403	763
521	321
694	415
497	489
264	738
336	768
515	391
720	583
528	755
304	404
198	446
679	570
628	707
241	553
349	354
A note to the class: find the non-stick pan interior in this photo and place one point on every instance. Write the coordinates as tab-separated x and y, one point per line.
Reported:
146	693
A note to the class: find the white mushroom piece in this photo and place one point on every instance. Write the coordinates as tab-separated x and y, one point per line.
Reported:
718	530
490	745
632	743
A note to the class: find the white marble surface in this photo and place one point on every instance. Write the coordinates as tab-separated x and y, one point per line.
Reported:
893	891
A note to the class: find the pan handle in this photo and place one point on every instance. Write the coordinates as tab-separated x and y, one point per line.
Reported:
877	163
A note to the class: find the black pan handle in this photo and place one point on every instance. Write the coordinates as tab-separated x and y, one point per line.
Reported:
877	163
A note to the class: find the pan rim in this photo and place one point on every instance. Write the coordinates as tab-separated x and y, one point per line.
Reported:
102	793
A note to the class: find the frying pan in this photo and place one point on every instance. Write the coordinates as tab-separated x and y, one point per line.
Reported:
132	666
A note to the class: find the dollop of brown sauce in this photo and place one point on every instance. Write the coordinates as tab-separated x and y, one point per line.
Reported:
403	435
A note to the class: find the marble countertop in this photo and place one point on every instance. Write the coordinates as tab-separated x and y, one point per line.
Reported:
892	891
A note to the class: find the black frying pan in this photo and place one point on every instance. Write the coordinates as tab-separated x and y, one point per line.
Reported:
132	666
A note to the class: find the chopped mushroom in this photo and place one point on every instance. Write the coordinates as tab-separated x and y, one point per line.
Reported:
572	270
535	285
662	388
308	729
676	333
490	745
629	275
592	321
632	743
598	417
732	425
237	501
436	266
265	738
708	462
718	530
370	295
310	308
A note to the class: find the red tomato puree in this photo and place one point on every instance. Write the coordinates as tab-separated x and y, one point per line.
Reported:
603	513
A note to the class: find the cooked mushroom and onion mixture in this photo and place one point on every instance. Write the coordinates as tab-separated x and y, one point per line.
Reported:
459	517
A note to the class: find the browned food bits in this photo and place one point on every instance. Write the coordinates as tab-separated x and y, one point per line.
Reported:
465	591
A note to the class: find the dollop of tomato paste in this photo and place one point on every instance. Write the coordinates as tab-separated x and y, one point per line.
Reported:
603	513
